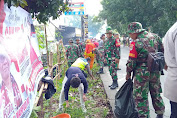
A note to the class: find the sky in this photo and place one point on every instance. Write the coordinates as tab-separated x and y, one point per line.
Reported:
92	7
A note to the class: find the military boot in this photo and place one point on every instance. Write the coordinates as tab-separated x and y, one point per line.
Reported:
162	73
111	84
100	71
114	85
159	116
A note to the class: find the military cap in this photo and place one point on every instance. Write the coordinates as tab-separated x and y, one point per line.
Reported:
70	41
135	27
116	33
108	30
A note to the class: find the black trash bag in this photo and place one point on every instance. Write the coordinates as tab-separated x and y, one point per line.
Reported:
124	102
51	87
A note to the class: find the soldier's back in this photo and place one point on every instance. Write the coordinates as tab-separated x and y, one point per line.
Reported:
72	52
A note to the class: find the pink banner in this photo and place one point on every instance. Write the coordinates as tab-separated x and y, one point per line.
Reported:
20	62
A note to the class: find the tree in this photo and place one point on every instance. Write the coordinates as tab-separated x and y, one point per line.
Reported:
93	25
158	15
41	9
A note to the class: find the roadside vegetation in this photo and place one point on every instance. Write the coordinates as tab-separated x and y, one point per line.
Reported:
97	104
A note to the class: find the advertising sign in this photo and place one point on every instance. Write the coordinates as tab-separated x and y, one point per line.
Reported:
75	8
84	20
20	62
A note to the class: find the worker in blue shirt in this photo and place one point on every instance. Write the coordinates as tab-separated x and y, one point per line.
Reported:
75	78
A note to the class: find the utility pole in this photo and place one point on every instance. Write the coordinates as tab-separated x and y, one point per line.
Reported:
84	27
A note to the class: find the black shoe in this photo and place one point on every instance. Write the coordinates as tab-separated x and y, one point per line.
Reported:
159	116
111	84
100	71
162	73
118	69
114	85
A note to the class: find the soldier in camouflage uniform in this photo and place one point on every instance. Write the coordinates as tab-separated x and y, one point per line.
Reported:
72	52
144	80
111	55
99	59
99	51
81	47
101	48
117	37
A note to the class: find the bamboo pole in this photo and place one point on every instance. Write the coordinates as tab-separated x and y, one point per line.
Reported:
50	70
39	95
51	63
43	85
58	60
64	52
46	46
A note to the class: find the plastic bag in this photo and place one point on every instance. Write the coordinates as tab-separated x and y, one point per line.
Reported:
124	102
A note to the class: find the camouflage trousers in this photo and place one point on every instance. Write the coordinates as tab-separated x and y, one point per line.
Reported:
117	66
69	64
112	69
145	82
100	61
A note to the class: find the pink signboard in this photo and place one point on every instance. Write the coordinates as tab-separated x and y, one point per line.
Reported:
20	62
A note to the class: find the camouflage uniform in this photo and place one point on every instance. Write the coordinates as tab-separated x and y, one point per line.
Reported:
99	59
81	49
144	81
118	44
111	53
72	53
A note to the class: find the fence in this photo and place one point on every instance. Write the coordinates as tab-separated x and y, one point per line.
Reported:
61	61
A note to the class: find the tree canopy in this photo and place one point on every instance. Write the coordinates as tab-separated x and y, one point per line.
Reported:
156	15
41	9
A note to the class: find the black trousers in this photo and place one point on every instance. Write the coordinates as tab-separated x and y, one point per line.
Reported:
173	109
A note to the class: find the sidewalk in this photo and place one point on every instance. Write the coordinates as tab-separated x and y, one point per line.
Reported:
106	78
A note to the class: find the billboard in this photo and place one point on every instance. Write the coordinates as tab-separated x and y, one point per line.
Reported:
84	24
75	8
68	33
20	62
